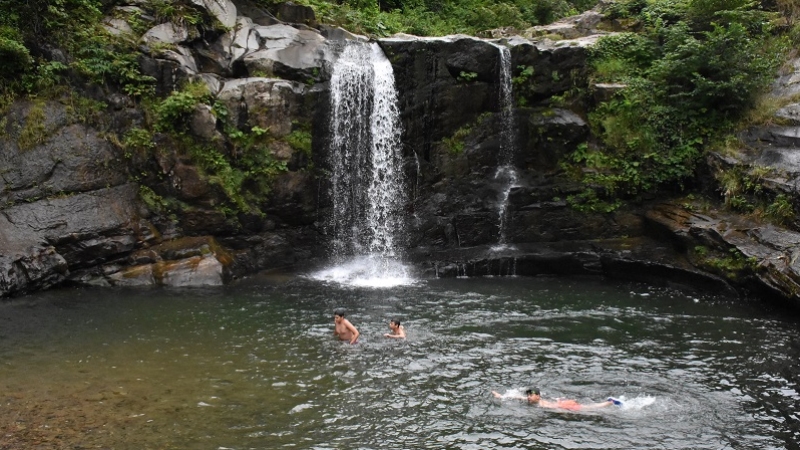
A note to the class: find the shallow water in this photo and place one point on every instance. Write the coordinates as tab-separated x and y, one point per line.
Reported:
254	366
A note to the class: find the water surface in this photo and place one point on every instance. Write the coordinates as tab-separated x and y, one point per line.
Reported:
255	366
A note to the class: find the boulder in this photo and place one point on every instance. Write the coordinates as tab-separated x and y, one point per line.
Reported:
573	27
44	239
286	52
165	34
64	158
228	49
222	10
551	135
117	27
756	256
265	102
195	261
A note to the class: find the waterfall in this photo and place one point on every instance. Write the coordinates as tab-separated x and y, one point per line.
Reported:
368	187
506	173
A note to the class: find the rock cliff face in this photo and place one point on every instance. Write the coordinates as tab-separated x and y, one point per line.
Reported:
80	207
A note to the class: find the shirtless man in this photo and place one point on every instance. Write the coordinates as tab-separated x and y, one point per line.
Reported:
533	396
398	332
343	329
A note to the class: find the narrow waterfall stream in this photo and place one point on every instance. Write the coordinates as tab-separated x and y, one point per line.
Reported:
506	172
368	187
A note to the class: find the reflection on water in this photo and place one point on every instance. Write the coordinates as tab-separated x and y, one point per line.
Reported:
256	366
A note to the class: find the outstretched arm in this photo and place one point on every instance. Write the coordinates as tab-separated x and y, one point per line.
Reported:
515	397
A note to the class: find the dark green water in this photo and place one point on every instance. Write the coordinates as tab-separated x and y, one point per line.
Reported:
255	366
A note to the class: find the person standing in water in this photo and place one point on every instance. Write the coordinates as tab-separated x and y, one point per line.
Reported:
533	396
398	332
343	329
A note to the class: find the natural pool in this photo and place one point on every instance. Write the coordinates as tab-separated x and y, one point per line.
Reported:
254	366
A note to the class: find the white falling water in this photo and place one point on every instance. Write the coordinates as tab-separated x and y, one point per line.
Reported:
367	180
506	173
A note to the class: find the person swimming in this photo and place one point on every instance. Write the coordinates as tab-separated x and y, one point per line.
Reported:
398	332
533	396
343	329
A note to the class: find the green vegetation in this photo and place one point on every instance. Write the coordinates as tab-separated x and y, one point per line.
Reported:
243	166
439	17
466	77
691	71
731	265
300	139
455	143
744	191
34	132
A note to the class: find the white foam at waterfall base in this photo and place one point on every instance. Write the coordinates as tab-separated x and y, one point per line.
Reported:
367	271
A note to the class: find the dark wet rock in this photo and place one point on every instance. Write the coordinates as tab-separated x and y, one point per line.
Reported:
169	75
44	239
36	268
639	259
757	256
68	157
553	133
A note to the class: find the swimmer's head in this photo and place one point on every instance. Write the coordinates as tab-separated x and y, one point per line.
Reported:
338	312
395	321
532	391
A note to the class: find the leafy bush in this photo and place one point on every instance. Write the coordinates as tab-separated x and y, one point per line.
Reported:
15	56
687	83
173	112
439	17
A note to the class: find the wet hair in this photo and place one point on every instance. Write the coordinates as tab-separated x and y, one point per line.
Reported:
338	312
532	391
395	321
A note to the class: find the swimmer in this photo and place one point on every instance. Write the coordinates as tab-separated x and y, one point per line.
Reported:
533	396
398	332
343	329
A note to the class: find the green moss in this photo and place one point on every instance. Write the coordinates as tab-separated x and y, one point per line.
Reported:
153	201
300	140
466	77
34	132
137	141
174	112
455	143
781	210
85	110
733	265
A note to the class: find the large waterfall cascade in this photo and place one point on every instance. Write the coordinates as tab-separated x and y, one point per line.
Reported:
368	186
506	173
